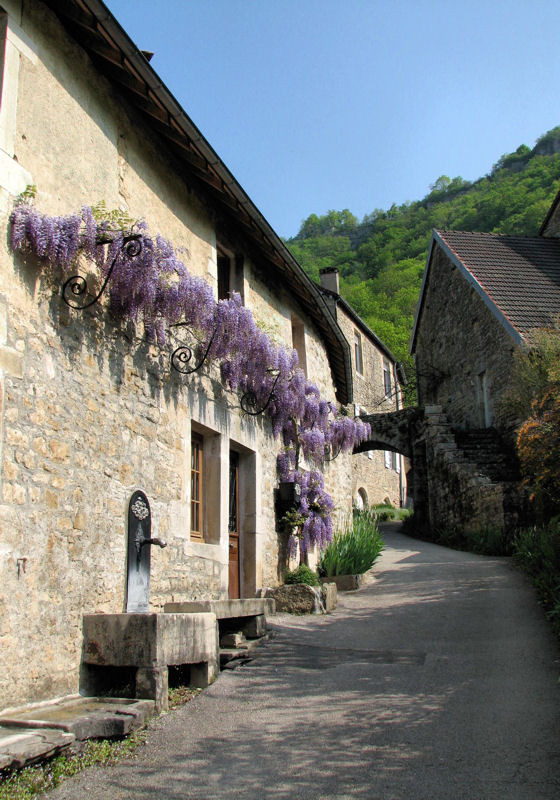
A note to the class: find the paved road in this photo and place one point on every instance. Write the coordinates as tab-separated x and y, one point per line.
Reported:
436	681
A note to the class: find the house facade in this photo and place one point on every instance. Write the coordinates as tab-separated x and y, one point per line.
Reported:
91	409
378	475
482	297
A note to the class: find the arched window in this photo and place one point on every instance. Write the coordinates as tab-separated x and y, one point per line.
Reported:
361	499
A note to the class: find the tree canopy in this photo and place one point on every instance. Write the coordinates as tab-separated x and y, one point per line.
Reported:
381	259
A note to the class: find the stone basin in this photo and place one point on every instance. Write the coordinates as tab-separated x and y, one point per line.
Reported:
84	717
143	646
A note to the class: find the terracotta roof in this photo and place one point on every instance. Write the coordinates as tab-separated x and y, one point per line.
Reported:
518	277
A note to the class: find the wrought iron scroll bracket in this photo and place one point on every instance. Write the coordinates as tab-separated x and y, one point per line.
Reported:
183	355
75	288
249	404
329	457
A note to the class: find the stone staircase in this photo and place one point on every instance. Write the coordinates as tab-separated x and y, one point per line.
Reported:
489	454
473	477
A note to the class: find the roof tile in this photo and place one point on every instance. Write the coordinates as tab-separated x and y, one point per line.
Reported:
520	274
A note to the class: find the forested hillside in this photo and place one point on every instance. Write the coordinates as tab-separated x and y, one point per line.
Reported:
381	259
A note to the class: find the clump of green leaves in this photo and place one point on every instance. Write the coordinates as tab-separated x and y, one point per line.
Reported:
116	217
302	574
28	194
355	549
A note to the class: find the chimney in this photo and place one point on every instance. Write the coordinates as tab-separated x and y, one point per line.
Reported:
329	279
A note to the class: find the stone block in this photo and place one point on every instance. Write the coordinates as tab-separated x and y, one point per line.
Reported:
298	598
232	640
152	683
255	627
330	595
347	583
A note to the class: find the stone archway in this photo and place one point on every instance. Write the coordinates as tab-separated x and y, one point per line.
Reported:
403	432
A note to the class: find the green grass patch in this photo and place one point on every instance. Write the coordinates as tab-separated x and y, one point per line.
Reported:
30	782
387	513
33	781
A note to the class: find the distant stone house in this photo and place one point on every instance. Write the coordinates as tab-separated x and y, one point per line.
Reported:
378	475
90	411
482	295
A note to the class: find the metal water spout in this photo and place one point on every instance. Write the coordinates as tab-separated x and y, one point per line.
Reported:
139	556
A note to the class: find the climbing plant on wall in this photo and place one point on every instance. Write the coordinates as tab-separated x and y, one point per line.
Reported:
146	281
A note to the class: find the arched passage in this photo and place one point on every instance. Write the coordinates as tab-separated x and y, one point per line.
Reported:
401	432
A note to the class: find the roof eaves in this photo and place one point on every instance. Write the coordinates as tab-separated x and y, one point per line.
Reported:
182	122
364	327
550	212
420	304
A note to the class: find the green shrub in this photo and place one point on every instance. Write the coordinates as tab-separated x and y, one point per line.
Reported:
537	552
303	574
355	549
384	512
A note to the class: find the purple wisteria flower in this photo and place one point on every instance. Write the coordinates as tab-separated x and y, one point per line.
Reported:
152	285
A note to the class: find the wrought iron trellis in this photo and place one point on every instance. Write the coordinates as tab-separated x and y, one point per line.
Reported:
76	285
184	359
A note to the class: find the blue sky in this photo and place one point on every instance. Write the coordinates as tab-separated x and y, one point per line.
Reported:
331	104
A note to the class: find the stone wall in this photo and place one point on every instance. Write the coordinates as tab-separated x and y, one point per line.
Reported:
370	475
90	412
458	341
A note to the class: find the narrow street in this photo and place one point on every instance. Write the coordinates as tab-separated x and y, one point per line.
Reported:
438	680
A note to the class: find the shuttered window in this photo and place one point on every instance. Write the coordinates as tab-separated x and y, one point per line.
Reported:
197	487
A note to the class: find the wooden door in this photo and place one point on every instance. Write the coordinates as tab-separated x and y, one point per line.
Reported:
233	525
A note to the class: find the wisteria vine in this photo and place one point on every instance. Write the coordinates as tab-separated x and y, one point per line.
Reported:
153	286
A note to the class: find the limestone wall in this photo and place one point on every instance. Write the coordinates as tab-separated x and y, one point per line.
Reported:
370	474
459	340
88	411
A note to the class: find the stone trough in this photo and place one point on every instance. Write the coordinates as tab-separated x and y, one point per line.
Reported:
135	651
138	649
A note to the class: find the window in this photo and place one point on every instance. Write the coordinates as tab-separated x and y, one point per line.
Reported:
224	277
387	385
298	342
396	462
230	275
358	353
197	487
388	459
484	414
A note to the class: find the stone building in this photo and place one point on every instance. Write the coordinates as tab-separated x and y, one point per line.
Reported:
90	411
482	296
378	475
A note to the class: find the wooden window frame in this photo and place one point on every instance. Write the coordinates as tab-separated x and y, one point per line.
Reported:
298	342
387	379
197	487
358	353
